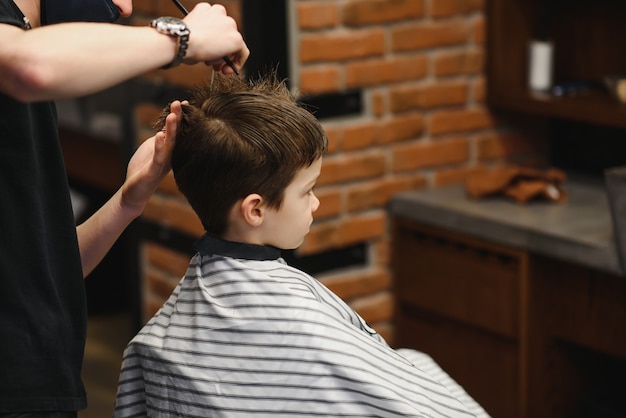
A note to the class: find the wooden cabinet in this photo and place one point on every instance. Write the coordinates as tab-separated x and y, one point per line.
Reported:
458	300
525	335
588	38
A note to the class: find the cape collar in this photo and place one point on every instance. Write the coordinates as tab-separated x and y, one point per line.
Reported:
210	245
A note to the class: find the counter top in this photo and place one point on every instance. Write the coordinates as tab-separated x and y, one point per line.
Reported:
579	230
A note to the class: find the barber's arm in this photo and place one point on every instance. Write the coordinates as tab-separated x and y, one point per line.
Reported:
74	59
146	169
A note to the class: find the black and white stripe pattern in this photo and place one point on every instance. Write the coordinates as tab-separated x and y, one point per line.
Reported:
258	338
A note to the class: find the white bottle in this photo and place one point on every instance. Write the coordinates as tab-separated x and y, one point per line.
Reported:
540	65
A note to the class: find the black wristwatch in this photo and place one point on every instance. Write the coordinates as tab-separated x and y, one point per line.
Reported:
172	26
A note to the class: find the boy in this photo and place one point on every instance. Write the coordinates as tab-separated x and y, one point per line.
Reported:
244	334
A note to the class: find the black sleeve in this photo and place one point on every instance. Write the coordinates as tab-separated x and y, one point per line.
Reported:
11	14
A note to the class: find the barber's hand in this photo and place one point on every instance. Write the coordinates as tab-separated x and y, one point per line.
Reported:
150	163
214	35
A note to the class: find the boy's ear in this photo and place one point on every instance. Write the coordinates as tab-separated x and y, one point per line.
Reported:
253	209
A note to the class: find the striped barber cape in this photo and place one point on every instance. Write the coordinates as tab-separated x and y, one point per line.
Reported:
246	335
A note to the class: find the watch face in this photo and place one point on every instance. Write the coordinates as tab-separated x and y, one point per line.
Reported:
171	26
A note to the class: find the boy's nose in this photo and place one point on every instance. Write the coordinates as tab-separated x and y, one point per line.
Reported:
315	204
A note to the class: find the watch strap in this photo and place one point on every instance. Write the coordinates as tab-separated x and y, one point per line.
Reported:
173	27
183	42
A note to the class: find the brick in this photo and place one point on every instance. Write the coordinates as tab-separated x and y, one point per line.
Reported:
378	103
317	14
447	177
173	213
375	308
498	145
341	233
334	136
319	80
342	45
446	8
479	30
377	193
353	166
322	236
395	129
461	62
361	136
362	228
376	72
330	203
357	283
366	12
403	127
452	121
430	35
479	89
430	154
427	96
166	259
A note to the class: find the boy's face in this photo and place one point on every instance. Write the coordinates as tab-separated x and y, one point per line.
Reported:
288	226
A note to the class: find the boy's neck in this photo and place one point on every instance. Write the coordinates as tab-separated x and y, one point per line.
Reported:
242	234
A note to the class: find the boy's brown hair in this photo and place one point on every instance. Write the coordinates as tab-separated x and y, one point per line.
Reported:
240	137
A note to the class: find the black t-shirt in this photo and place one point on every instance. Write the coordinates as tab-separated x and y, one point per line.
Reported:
42	297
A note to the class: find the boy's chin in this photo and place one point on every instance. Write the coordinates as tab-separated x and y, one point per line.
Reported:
289	247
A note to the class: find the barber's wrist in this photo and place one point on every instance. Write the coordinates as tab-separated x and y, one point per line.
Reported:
175	28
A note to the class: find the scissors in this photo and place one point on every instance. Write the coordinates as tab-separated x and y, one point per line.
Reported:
185	13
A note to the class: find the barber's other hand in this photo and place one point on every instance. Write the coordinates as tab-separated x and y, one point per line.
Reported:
214	35
150	163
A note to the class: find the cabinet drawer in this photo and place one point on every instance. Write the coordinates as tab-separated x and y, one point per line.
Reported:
451	275
484	364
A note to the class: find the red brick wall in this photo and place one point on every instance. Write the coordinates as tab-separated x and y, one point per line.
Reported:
420	65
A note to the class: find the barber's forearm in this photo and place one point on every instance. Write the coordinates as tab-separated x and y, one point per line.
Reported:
75	59
97	234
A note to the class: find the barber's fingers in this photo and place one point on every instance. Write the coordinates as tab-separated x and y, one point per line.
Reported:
214	35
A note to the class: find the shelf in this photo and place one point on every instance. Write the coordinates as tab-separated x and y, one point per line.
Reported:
588	46
595	107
